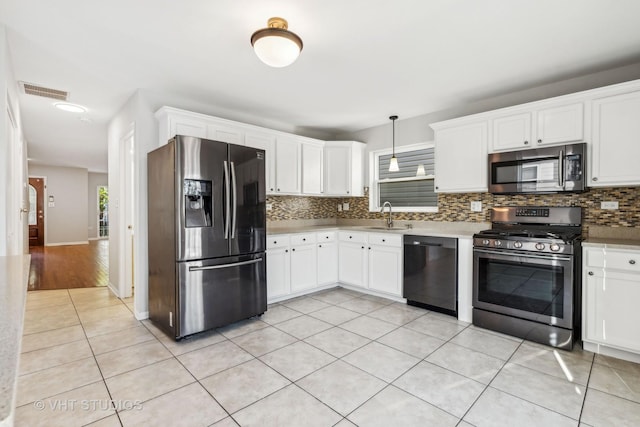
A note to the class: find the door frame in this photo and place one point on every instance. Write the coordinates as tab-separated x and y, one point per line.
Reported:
128	212
45	205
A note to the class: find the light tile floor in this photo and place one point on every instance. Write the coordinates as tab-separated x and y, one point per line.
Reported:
336	357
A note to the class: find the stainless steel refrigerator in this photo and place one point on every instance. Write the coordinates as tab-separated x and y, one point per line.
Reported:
207	235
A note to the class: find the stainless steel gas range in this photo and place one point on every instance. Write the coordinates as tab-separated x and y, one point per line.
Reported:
527	272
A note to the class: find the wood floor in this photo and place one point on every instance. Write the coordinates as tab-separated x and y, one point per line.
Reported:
71	266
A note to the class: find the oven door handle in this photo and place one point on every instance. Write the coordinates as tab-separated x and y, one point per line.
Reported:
521	255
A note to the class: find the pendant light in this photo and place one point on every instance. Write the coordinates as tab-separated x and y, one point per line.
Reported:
275	45
393	164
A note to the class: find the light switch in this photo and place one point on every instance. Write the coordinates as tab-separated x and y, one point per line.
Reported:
269	206
52	204
609	205
339	207
345	206
476	206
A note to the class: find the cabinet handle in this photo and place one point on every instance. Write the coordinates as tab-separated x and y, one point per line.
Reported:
591	273
595	178
286	250
369	247
632	261
326	237
319	246
347	191
362	247
539	141
351	237
275	242
437	187
304	239
293	250
526	143
278	189
271	189
383	240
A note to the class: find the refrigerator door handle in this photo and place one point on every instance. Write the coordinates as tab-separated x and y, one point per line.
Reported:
235	264
235	200
227	200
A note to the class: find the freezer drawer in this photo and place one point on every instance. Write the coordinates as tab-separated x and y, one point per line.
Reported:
217	292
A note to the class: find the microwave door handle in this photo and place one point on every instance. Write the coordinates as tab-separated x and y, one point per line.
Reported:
227	200
561	169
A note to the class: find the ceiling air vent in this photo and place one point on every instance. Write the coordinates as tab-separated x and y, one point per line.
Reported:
31	89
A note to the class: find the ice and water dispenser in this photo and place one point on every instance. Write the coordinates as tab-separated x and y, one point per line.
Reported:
198	203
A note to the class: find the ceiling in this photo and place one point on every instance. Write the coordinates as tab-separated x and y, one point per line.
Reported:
362	60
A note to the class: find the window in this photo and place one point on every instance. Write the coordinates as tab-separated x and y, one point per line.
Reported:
411	189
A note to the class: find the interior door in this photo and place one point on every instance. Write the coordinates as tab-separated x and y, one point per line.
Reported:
36	211
249	214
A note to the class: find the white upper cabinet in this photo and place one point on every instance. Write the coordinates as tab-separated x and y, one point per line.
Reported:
177	122
288	165
615	146
232	135
560	124
461	158
267	143
545	126
344	168
312	168
511	132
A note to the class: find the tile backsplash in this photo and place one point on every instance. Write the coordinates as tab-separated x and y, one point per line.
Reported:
456	207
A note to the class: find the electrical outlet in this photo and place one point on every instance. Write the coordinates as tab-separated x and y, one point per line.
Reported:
609	205
345	206
476	206
269	206
339	207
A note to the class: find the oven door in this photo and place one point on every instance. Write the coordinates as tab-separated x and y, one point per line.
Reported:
536	287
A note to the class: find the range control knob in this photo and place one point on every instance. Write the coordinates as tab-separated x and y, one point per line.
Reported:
554	247
486	242
517	244
497	243
539	246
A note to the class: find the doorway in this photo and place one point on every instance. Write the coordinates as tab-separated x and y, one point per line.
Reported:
103	211
36	211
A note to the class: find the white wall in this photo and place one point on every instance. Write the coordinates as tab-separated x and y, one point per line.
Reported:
416	129
95	180
13	166
66	222
137	113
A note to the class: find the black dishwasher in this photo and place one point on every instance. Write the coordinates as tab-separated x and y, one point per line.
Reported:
431	273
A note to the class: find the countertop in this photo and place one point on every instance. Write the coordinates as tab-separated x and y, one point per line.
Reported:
14	271
459	230
612	243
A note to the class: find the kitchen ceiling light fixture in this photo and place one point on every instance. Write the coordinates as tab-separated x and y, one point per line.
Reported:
71	108
393	163
275	45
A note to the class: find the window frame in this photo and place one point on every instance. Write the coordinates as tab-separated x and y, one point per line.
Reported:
374	180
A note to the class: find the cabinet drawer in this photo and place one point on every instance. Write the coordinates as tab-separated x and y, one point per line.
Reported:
623	260
277	241
386	239
303	239
326	236
352	236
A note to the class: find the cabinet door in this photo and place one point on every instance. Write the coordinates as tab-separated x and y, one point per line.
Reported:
385	269
278	273
225	134
337	173
611	309
327	263
312	166
288	166
188	127
615	146
511	132
461	159
268	144
560	124
303	267
352	264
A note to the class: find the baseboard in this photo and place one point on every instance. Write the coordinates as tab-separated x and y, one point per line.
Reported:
141	316
610	351
98	238
86	242
113	289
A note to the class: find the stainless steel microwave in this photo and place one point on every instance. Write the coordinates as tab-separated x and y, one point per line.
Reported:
557	169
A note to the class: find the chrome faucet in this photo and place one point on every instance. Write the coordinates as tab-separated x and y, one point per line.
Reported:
390	219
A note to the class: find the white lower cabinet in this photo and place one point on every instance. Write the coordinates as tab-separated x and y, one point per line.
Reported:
611	290
327	258
278	266
372	261
304	262
352	258
385	263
